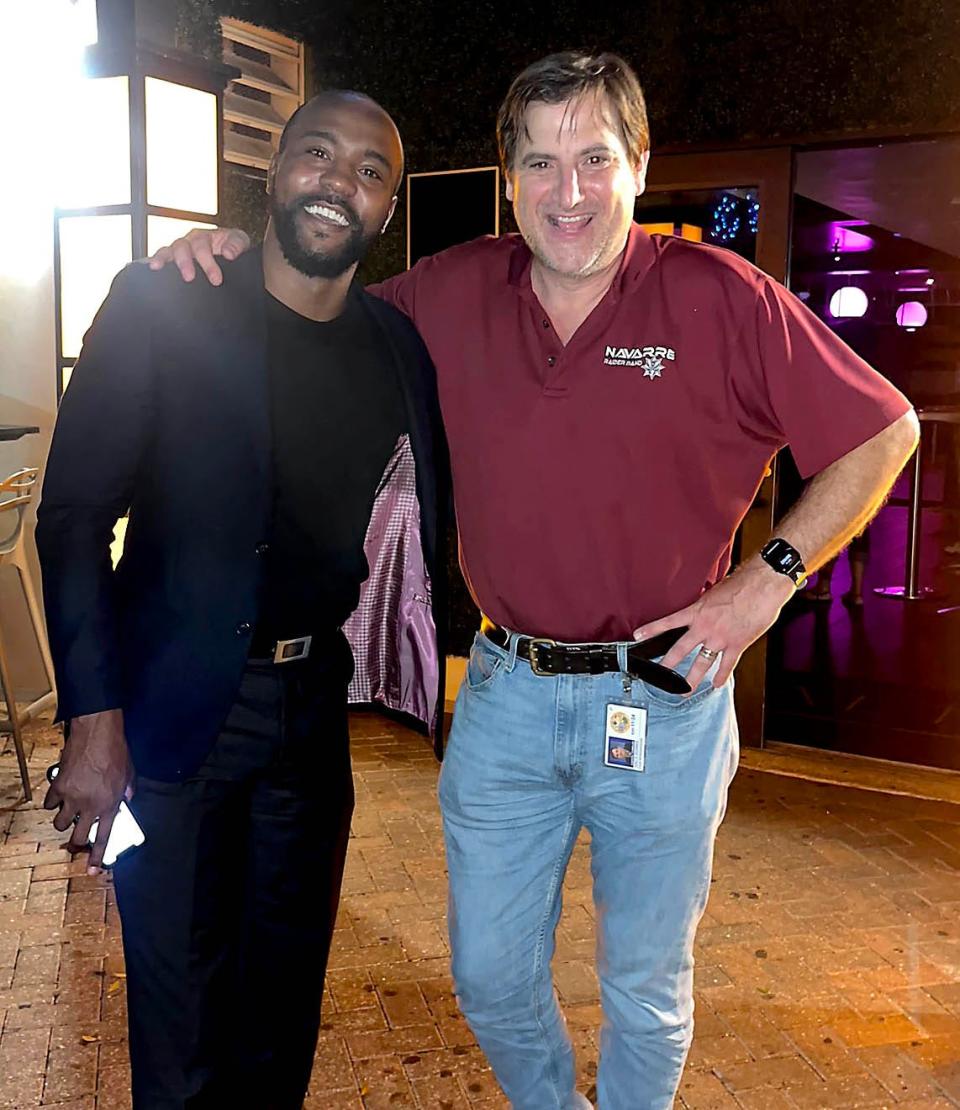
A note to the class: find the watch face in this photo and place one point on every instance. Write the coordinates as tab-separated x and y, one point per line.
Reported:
782	557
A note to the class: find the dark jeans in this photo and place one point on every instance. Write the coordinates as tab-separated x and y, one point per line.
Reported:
228	908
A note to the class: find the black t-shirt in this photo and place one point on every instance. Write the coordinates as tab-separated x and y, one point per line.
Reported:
336	412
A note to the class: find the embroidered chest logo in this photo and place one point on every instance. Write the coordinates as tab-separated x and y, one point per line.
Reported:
650	360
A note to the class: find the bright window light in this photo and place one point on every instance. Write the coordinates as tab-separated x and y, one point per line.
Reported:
82	14
41	64
97	144
92	250
162	230
181	147
849	301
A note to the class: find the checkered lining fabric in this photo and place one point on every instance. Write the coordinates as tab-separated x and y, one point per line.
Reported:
398	577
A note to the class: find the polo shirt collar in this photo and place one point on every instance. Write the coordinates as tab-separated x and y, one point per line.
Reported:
635	262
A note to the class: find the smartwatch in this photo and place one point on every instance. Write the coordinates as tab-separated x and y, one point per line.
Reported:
785	559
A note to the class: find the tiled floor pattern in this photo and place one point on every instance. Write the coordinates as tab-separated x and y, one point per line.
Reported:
828	973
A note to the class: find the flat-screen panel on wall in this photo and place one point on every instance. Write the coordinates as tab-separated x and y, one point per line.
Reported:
450	207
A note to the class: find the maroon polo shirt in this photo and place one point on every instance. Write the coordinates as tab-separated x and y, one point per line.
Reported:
599	485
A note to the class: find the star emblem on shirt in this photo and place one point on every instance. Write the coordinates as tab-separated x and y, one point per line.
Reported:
652	367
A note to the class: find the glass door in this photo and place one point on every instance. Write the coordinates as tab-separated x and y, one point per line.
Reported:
739	200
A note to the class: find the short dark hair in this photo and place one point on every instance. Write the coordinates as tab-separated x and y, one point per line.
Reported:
569	76
328	94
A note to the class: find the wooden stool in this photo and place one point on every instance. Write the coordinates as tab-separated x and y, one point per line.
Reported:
15	494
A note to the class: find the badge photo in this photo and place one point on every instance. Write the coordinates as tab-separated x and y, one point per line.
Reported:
619	751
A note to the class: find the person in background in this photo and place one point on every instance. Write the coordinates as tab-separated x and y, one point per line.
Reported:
859	555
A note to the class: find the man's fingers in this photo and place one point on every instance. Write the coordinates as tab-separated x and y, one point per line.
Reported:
100	843
725	670
183	257
81	833
52	799
681	649
231	244
663	624
697	671
65	818
207	262
160	258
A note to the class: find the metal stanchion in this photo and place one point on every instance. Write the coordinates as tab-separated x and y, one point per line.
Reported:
911	590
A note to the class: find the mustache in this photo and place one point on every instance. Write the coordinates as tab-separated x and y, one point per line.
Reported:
332	200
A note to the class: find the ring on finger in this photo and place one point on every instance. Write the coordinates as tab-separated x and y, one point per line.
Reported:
709	653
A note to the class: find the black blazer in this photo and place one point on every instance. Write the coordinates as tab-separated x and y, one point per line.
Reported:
167	416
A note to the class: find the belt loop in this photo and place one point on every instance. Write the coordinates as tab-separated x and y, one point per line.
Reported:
622	661
512	644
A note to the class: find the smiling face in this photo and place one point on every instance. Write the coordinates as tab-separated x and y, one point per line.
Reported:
333	186
573	186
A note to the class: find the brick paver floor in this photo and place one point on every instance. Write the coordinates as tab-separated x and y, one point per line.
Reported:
828	962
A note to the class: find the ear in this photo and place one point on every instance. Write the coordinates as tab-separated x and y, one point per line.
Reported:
386	222
509	188
272	174
640	172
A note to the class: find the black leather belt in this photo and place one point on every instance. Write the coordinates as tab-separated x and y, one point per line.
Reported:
547	657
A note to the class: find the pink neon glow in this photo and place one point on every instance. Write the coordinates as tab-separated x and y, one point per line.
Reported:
911	314
841	236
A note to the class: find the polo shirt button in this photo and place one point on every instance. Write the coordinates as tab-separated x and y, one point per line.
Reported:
551	361
546	323
244	628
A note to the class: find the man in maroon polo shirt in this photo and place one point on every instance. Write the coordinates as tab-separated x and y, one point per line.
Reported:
611	401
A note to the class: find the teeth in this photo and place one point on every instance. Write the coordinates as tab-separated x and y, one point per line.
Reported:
328	214
571	219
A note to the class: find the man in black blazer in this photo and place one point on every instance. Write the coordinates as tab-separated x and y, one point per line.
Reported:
250	432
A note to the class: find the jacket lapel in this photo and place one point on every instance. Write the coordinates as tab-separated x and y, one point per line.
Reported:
248	353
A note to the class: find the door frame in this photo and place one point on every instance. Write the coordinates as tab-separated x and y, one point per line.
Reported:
770	170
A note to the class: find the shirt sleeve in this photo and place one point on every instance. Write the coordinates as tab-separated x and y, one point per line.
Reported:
816	394
400	291
97	452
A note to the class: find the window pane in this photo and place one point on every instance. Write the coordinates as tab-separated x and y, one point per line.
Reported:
97	142
92	250
181	147
162	230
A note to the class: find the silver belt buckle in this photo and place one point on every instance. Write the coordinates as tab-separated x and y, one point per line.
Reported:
287	651
533	648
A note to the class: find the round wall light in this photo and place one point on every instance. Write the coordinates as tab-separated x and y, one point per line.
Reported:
911	314
849	301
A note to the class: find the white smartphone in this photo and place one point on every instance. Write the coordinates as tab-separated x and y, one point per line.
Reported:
124	834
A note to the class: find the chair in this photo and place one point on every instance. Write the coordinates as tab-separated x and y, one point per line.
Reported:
15	494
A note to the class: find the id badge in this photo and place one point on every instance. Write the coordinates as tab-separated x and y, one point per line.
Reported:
625	737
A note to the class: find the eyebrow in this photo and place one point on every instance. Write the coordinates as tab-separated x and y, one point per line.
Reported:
597	148
332	137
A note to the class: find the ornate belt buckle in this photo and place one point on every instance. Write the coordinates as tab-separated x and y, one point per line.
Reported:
288	650
534	650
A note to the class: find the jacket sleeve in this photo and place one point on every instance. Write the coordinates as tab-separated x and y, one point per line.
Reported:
98	447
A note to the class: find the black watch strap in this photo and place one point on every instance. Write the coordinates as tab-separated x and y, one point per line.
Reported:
785	559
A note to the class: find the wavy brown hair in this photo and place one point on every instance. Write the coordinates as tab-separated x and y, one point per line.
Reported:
570	76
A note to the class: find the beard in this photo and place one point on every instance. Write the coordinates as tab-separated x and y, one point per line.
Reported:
311	258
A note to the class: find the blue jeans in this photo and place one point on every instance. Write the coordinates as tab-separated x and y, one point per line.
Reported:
523	774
